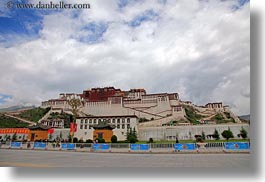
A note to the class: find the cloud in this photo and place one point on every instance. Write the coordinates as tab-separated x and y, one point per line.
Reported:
199	49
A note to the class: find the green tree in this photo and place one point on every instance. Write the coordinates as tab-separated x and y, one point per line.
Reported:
75	140
80	141
61	136
203	135
14	137
8	137
89	141
227	134
243	133
100	140
50	137
69	137
151	140
131	135
23	137
5	137
216	135
114	139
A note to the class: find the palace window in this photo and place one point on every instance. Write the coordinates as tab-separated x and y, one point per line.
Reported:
86	121
95	121
123	126
128	126
85	127
82	121
113	120
118	126
81	127
118	121
90	121
128	120
123	120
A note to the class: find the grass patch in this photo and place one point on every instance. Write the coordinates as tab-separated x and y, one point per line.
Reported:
191	115
7	122
34	114
194	141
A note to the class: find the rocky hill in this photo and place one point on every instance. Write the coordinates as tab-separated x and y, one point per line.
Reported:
195	115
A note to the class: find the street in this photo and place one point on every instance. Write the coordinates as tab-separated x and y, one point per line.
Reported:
34	158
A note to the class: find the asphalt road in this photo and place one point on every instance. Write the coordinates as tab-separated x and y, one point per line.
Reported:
33	158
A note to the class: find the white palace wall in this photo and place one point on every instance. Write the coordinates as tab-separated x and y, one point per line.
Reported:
141	110
187	132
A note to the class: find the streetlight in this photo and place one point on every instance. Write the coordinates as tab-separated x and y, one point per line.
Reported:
74	101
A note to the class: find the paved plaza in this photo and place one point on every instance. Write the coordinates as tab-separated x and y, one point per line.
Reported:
34	158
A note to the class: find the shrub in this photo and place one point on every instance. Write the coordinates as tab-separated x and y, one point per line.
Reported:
100	140
114	139
81	141
216	135
227	134
203	135
199	139
132	139
151	140
142	120
131	136
218	117
75	140
89	141
243	133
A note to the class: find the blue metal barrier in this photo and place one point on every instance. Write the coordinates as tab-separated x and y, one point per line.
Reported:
237	145
139	146
39	145
15	144
68	146
100	146
185	146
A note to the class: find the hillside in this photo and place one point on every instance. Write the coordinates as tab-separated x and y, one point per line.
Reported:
194	115
34	114
16	108
245	118
8	122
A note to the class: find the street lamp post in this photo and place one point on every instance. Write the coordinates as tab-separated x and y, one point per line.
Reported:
74	101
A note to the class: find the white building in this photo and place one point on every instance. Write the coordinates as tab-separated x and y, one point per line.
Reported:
121	123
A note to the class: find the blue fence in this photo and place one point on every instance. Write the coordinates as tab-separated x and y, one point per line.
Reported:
237	146
100	146
139	146
16	144
185	146
39	145
67	146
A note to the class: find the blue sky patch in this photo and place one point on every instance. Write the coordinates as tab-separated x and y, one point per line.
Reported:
146	16
16	22
93	32
4	97
239	4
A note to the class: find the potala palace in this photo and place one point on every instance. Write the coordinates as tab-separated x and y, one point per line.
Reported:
161	116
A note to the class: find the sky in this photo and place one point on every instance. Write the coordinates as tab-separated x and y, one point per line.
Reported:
197	48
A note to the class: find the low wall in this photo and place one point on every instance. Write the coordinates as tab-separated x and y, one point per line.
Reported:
187	132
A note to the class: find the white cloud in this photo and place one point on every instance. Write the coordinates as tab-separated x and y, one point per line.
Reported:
200	50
